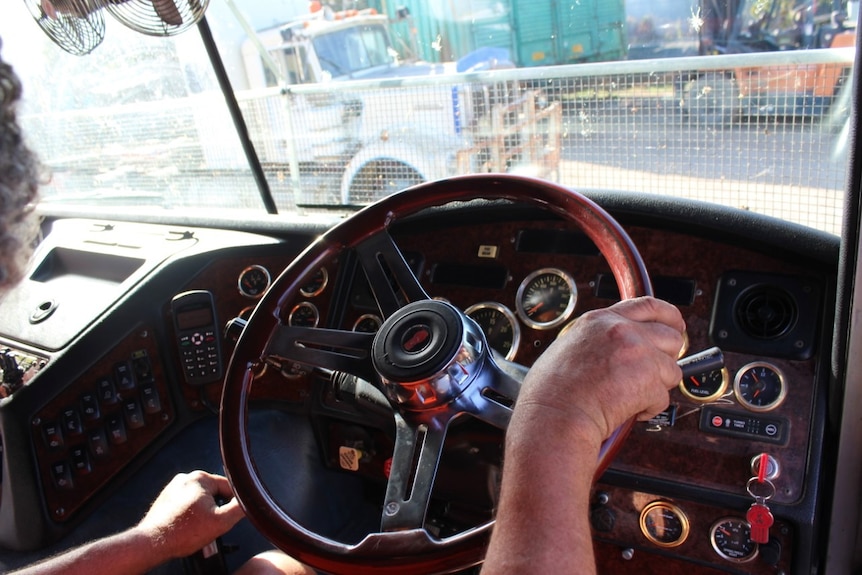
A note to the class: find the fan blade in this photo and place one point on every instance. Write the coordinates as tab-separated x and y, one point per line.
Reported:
168	12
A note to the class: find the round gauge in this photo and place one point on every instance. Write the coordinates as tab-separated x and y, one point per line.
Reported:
500	326
253	281
317	283
546	298
664	524
759	386
705	386
304	314
731	539
368	323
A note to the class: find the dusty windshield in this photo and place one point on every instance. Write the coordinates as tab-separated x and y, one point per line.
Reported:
594	95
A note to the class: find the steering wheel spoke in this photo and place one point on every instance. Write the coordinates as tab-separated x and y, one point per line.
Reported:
332	349
418	447
392	282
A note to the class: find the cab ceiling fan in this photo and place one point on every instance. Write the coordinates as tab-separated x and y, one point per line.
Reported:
157	17
76	26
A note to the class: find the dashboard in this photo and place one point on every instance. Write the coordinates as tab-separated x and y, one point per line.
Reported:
117	340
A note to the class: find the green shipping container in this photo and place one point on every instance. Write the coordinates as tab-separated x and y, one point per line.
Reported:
535	34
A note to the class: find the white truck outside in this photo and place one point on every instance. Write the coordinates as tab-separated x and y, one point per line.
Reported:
372	141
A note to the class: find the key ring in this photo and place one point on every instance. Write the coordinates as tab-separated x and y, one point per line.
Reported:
757	497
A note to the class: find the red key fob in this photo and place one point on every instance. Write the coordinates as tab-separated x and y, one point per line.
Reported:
760	519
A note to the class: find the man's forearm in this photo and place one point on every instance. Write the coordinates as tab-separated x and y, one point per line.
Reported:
128	553
542	523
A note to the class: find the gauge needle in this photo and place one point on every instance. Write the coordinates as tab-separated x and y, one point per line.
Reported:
694	381
535	308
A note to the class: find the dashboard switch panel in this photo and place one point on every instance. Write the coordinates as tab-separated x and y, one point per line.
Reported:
86	435
744	425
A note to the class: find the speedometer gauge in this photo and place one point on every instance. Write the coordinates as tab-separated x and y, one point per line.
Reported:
500	326
546	298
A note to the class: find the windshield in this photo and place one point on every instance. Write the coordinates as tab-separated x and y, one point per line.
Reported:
352	50
141	124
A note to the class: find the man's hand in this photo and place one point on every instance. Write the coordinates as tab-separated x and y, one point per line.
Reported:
614	363
185	516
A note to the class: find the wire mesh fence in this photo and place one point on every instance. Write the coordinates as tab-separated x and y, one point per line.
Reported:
765	132
766	137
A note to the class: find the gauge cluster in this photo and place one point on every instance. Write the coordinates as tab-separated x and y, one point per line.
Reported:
702	533
761	401
526	283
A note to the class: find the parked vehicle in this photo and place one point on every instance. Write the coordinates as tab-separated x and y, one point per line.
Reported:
739	27
532	34
364	148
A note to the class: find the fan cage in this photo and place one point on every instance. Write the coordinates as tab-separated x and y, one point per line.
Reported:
157	17
76	26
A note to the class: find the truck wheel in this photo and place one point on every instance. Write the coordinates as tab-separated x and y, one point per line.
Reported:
381	178
712	100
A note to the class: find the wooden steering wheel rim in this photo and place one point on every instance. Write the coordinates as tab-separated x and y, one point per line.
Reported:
411	552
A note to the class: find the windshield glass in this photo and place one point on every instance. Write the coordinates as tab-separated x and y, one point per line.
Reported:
352	50
140	123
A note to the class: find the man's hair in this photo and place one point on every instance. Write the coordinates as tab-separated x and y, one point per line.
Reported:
19	182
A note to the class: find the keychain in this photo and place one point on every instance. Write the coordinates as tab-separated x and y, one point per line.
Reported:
759	516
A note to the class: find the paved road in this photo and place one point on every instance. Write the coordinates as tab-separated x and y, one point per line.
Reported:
653	137
776	167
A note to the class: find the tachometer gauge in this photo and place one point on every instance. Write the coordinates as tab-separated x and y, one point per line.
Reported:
316	284
546	298
304	314
664	524
500	326
367	323
705	386
253	281
759	386
731	539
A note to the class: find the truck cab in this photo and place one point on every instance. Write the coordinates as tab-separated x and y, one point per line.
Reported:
323	47
205	289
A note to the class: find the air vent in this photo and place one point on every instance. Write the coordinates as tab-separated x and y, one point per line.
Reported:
766	312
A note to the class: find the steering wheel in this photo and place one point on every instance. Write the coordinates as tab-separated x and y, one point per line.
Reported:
428	361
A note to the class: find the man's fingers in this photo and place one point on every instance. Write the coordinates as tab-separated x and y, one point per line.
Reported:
654	410
650	309
230	511
213	484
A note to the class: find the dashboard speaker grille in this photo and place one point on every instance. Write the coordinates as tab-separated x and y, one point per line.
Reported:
766	312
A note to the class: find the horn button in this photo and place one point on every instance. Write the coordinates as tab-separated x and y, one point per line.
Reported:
426	354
